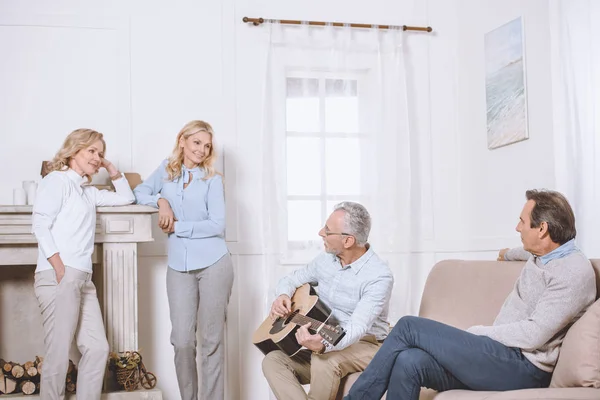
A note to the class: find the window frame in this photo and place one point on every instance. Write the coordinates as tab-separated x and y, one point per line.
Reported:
311	63
299	249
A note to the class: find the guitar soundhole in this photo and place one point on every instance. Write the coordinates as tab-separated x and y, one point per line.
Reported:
281	322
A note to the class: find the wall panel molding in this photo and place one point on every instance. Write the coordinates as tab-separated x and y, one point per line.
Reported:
121	140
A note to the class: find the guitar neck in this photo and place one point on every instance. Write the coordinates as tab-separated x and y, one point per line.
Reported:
331	334
303	320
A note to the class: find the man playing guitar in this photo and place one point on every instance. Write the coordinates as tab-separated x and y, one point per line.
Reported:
355	284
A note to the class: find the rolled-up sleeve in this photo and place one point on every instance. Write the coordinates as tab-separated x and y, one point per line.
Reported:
122	196
47	205
147	193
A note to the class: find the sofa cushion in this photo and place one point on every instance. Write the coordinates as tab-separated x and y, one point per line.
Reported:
459	394
579	360
524	394
466	293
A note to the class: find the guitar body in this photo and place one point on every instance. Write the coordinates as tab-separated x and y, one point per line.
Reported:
281	333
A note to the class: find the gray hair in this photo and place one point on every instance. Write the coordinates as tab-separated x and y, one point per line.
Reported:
357	221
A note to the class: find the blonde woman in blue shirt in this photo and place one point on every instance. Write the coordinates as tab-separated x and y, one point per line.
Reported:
188	193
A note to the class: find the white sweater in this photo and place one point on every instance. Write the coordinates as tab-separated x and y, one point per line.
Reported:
64	217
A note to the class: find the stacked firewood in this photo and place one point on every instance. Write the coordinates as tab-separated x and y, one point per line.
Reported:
71	378
25	378
20	378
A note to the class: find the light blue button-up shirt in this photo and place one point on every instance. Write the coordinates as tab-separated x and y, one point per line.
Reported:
357	294
560	252
520	254
199	238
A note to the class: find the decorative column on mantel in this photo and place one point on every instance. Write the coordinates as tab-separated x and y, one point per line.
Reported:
118	231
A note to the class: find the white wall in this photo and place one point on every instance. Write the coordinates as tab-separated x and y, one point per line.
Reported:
493	183
144	68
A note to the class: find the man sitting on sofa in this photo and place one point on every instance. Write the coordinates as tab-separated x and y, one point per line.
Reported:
356	285
521	348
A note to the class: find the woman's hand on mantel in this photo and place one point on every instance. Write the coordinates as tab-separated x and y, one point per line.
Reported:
172	229
166	218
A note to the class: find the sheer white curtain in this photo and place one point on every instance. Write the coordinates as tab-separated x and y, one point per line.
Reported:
575	38
336	127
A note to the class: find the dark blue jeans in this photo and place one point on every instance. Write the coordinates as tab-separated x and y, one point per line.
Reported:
422	352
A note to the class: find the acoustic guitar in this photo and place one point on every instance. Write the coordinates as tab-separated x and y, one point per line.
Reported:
280	334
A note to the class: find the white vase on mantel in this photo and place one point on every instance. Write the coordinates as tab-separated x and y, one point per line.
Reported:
30	188
19	197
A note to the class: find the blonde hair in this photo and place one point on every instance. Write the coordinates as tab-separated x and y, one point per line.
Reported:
176	158
77	140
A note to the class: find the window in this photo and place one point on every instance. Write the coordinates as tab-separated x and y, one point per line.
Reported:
322	141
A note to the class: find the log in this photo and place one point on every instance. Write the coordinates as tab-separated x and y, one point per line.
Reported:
31	372
27	365
17	371
27	387
71	367
71	387
38	363
6	366
7	385
2	364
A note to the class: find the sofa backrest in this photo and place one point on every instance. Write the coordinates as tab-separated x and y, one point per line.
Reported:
466	293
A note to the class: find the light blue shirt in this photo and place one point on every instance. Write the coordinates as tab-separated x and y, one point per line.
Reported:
520	254
560	252
199	238
357	294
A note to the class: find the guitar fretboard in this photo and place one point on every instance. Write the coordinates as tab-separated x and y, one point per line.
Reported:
314	324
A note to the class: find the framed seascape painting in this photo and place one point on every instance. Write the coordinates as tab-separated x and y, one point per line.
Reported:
505	93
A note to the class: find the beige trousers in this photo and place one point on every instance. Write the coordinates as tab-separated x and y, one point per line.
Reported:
70	310
286	375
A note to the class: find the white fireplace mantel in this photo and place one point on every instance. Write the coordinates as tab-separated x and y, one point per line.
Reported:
118	231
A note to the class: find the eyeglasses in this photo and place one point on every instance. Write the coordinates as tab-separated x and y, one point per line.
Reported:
337	233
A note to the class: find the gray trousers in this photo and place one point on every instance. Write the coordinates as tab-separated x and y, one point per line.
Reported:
70	310
198	300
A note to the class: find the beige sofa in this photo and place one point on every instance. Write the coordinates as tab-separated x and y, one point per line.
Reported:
466	293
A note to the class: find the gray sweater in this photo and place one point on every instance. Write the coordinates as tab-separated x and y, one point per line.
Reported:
546	300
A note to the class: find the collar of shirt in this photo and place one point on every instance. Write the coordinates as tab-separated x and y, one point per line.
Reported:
560	252
358	264
186	171
78	179
185	176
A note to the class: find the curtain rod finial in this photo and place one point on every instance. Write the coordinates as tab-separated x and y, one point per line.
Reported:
255	21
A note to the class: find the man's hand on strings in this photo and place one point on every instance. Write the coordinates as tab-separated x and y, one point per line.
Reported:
306	339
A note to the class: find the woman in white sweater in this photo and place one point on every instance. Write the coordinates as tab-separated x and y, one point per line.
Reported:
64	224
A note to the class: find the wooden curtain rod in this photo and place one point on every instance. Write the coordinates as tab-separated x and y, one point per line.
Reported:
259	21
